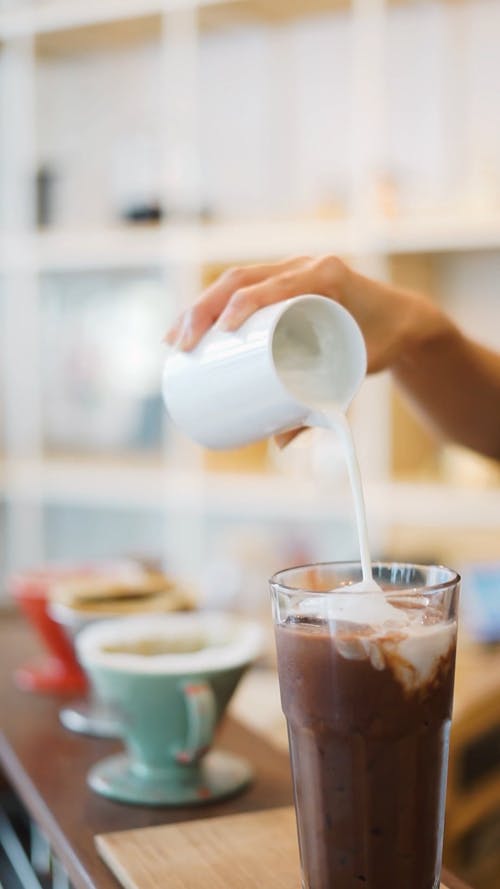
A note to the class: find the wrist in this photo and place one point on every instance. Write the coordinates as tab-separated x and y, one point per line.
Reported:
425	327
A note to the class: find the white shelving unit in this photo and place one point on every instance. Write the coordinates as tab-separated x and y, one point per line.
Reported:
51	16
245	242
230	495
28	479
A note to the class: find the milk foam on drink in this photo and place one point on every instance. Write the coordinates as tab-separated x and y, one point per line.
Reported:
368	627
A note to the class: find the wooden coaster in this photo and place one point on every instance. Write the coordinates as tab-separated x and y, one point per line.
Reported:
246	851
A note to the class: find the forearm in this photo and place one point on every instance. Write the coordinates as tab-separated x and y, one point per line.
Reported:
455	383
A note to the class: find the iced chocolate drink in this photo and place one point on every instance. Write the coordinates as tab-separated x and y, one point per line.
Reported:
366	686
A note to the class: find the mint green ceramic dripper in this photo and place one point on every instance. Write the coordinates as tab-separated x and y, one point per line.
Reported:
170	706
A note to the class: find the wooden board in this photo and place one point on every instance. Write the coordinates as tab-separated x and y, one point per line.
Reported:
233	852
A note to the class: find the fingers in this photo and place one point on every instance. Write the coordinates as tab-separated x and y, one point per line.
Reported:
175	331
193	323
247	300
320	276
286	437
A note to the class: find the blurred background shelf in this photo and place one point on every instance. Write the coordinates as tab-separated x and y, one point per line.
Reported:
246	241
115	483
122	195
243	241
25	19
70	26
46	16
451	233
147	483
28	17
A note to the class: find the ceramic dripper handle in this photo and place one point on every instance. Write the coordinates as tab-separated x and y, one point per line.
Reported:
201	718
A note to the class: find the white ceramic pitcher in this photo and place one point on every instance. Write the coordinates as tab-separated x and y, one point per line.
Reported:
269	376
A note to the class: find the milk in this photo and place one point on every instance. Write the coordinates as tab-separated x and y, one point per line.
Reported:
338	422
306	366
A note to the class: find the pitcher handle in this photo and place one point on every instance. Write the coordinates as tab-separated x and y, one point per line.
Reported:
201	713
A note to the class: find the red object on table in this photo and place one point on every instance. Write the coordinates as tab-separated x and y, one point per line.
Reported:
60	672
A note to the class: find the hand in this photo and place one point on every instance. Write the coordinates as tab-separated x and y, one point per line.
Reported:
390	318
393	321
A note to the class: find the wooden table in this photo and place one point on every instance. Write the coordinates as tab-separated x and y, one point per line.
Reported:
46	765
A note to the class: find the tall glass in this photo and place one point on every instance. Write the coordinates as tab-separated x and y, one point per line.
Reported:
366	683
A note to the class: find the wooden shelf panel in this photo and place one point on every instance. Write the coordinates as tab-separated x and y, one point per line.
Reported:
44	16
106	36
70	26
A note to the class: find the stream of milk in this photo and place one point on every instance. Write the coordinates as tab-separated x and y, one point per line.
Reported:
307	365
339	424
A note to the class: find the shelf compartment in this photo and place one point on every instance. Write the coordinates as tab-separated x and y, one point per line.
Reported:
148	483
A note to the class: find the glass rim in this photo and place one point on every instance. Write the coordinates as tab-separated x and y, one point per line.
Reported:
453	580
